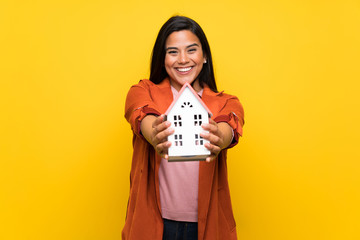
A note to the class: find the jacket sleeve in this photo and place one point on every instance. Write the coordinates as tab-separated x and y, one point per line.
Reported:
139	104
232	113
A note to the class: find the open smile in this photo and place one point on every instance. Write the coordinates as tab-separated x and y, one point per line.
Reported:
184	70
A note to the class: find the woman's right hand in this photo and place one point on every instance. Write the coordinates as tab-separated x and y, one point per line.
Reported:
156	130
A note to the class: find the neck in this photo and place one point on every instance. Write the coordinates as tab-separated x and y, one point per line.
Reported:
197	86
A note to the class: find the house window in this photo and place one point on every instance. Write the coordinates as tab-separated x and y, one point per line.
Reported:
186	104
177	121
178	139
199	140
197	120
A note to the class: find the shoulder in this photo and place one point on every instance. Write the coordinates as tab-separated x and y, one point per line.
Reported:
146	83
219	97
222	103
223	95
144	86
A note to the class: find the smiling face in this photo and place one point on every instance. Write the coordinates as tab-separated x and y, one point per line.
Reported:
184	59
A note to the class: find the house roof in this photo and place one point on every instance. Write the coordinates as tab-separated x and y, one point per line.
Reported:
187	85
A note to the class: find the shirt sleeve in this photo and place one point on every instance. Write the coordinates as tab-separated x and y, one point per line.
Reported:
139	104
232	113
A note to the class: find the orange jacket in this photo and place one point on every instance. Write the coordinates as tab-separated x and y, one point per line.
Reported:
215	216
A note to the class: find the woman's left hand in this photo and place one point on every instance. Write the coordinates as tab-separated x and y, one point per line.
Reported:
219	136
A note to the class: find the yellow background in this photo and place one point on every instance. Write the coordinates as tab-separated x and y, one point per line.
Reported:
65	148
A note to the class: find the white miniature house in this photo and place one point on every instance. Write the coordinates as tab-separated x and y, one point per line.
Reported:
186	114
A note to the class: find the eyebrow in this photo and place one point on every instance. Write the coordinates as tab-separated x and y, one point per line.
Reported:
191	45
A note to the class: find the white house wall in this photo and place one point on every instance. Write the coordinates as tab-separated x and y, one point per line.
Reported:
186	145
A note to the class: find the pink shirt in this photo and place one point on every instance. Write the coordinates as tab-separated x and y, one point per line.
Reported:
179	183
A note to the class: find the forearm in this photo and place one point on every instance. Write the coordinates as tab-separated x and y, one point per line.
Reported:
146	127
227	134
155	130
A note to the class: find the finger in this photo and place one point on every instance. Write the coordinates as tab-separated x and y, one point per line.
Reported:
162	148
158	120
161	126
210	159
161	137
211	126
211	121
213	148
212	138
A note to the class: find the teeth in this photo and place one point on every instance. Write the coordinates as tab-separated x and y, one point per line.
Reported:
184	69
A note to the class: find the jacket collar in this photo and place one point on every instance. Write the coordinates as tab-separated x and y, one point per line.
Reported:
207	91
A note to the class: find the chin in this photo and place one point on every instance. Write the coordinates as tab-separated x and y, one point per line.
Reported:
189	80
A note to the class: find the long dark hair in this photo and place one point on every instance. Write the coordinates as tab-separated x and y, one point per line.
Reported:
177	23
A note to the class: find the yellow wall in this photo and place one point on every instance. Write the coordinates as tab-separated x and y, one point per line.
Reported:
65	147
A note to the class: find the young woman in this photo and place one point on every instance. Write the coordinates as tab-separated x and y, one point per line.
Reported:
180	200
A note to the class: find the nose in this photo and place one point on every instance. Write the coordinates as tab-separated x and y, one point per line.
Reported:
183	58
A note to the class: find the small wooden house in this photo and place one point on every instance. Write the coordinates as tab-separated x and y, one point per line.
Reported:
186	114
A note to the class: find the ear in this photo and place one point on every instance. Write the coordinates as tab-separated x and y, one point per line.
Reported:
205	60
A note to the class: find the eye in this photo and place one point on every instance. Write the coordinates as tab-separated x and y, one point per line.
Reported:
172	52
191	50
